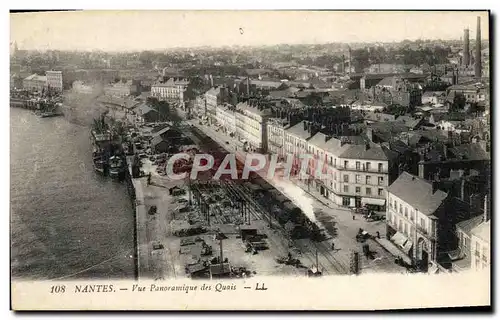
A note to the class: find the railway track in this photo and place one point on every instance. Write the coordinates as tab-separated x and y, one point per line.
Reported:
327	261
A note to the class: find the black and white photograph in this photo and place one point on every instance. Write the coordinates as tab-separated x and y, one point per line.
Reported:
175	152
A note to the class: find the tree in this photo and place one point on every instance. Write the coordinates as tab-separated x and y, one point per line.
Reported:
458	102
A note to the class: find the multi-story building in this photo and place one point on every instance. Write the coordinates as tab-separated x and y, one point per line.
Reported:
296	138
415	214
214	97
54	80
35	83
119	89
361	173
480	246
276	136
251	125
396	90
171	90
200	106
472	93
226	118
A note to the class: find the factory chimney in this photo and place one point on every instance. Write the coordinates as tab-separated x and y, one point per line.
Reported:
350	60
477	64
466	59
343	64
248	87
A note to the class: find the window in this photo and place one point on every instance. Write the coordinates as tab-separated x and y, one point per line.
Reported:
405	226
368	166
335	162
346	164
346	178
335	176
368	179
380	166
485	253
368	191
346	201
358	178
380	192
358	165
422	223
477	249
346	189
400	208
358	189
406	212
380	181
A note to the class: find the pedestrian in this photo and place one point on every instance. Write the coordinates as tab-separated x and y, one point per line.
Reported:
333	246
353	217
149	178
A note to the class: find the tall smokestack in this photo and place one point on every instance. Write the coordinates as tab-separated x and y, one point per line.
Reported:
350	60
343	64
248	87
477	59
466	59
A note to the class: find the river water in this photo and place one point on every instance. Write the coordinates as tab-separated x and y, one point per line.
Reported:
67	222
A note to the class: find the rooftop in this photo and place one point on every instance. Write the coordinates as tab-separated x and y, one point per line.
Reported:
482	231
417	192
299	131
253	108
470	151
36	77
370	151
467	225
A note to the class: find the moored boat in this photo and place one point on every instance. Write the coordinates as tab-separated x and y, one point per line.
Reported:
116	167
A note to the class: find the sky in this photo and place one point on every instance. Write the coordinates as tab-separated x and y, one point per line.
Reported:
152	30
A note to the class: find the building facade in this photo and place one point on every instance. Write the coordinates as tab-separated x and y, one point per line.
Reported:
171	90
226	118
35	83
276	136
480	246
251	125
414	209
54	80
214	97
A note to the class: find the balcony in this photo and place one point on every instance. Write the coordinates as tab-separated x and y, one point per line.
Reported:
362	169
425	232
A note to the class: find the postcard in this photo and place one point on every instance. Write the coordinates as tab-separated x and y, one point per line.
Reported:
250	160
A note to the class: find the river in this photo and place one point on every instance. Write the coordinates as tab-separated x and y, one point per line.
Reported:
67	222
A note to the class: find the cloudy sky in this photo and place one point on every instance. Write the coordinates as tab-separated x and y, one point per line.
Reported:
141	30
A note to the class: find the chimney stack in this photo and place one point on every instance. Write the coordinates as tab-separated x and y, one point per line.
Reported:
434	186
465	58
248	87
477	63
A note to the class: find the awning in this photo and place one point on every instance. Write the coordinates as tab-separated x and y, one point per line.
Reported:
377	202
399	239
407	246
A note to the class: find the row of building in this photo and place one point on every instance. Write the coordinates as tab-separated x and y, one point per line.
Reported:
369	169
52	80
